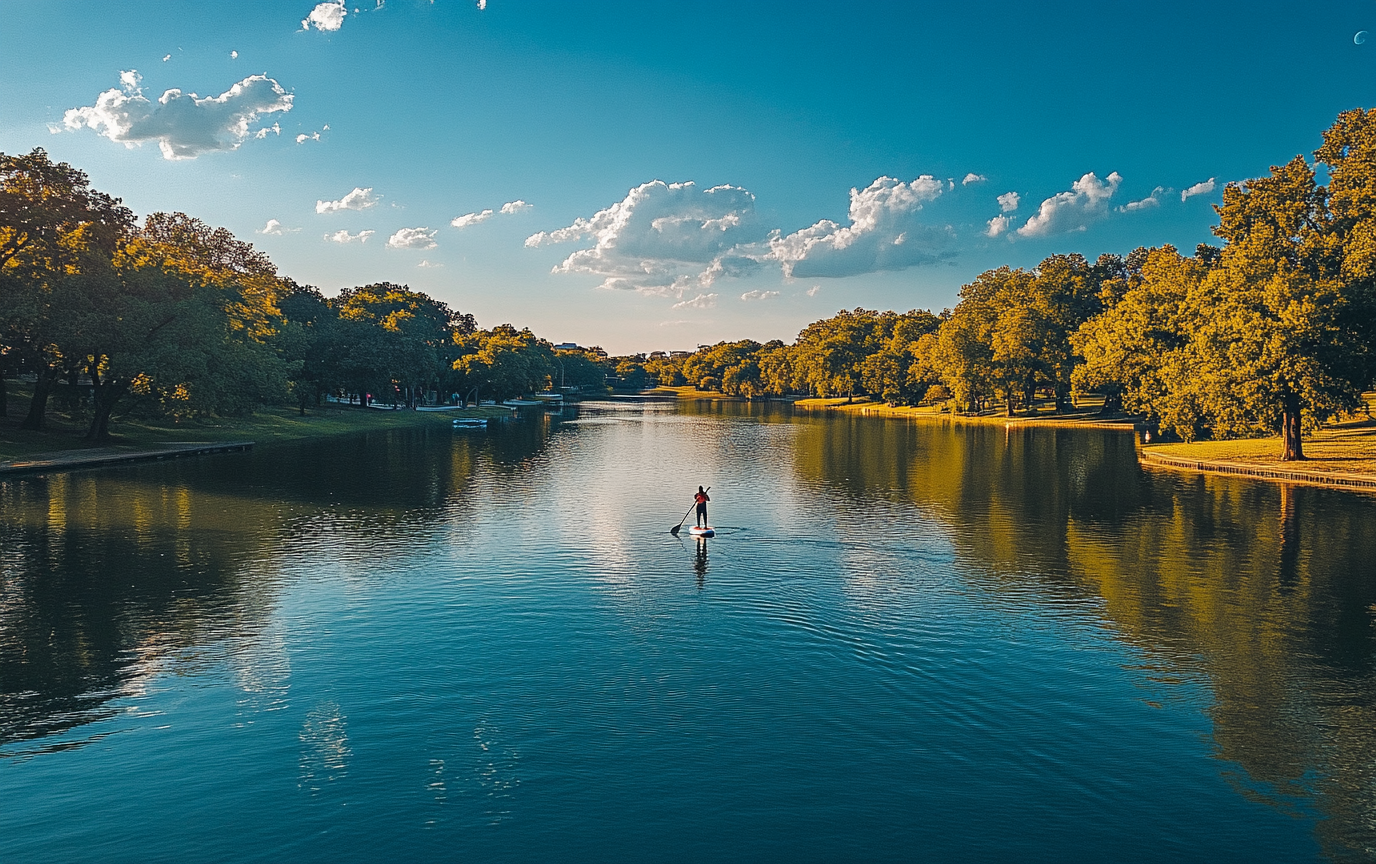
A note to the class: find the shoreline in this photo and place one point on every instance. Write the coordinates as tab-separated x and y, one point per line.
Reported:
1081	419
62	444
1342	456
1348	481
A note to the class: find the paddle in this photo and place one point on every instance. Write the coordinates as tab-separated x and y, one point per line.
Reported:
674	530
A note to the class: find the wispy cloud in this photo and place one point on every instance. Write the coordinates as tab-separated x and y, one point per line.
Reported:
517	206
759	295
184	124
1147	203
428	264
412	238
973	178
326	16
345	237
1009	201
1086	201
469	219
1197	189
702	301
359	199
276	229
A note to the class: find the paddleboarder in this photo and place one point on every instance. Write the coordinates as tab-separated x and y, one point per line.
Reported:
702	499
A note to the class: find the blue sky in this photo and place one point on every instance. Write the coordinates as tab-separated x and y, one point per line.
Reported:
828	145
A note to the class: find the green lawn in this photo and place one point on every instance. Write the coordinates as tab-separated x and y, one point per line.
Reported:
268	426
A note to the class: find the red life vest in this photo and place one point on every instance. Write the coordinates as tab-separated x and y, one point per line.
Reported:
701	498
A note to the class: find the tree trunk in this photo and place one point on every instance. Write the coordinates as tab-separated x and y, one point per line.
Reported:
38	406
107	395
1292	440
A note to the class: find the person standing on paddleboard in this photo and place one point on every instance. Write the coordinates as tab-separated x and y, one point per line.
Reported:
702	499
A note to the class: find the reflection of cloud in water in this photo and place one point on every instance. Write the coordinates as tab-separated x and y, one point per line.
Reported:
324	746
261	668
620	510
495	771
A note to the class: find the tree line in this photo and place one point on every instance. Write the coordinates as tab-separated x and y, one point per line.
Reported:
1271	330
175	317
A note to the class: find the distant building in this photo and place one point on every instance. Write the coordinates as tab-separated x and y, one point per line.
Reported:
680	354
658	355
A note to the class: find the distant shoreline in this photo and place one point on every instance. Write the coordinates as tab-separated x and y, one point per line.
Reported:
1341	456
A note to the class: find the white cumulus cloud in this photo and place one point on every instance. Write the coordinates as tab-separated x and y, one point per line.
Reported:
1009	201
759	295
702	301
428	264
342	236
973	178
663	238
234	55
184	124
1197	189
275	129
884	233
412	238
517	206
997	226
1073	210
303	137
468	219
359	199
326	16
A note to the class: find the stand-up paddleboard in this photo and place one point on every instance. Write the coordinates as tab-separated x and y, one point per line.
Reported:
702	532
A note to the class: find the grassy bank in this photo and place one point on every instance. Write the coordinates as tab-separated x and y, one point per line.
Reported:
691	392
268	426
1085	415
1342	448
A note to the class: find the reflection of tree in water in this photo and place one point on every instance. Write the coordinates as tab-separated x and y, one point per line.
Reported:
103	582
106	577
1265	590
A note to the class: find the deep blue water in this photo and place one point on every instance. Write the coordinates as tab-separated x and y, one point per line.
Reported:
908	642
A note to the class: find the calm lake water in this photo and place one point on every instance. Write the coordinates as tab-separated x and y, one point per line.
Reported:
908	642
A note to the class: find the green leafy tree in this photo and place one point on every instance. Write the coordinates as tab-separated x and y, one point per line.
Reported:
1275	346
53	226
391	339
581	369
504	362
1134	351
